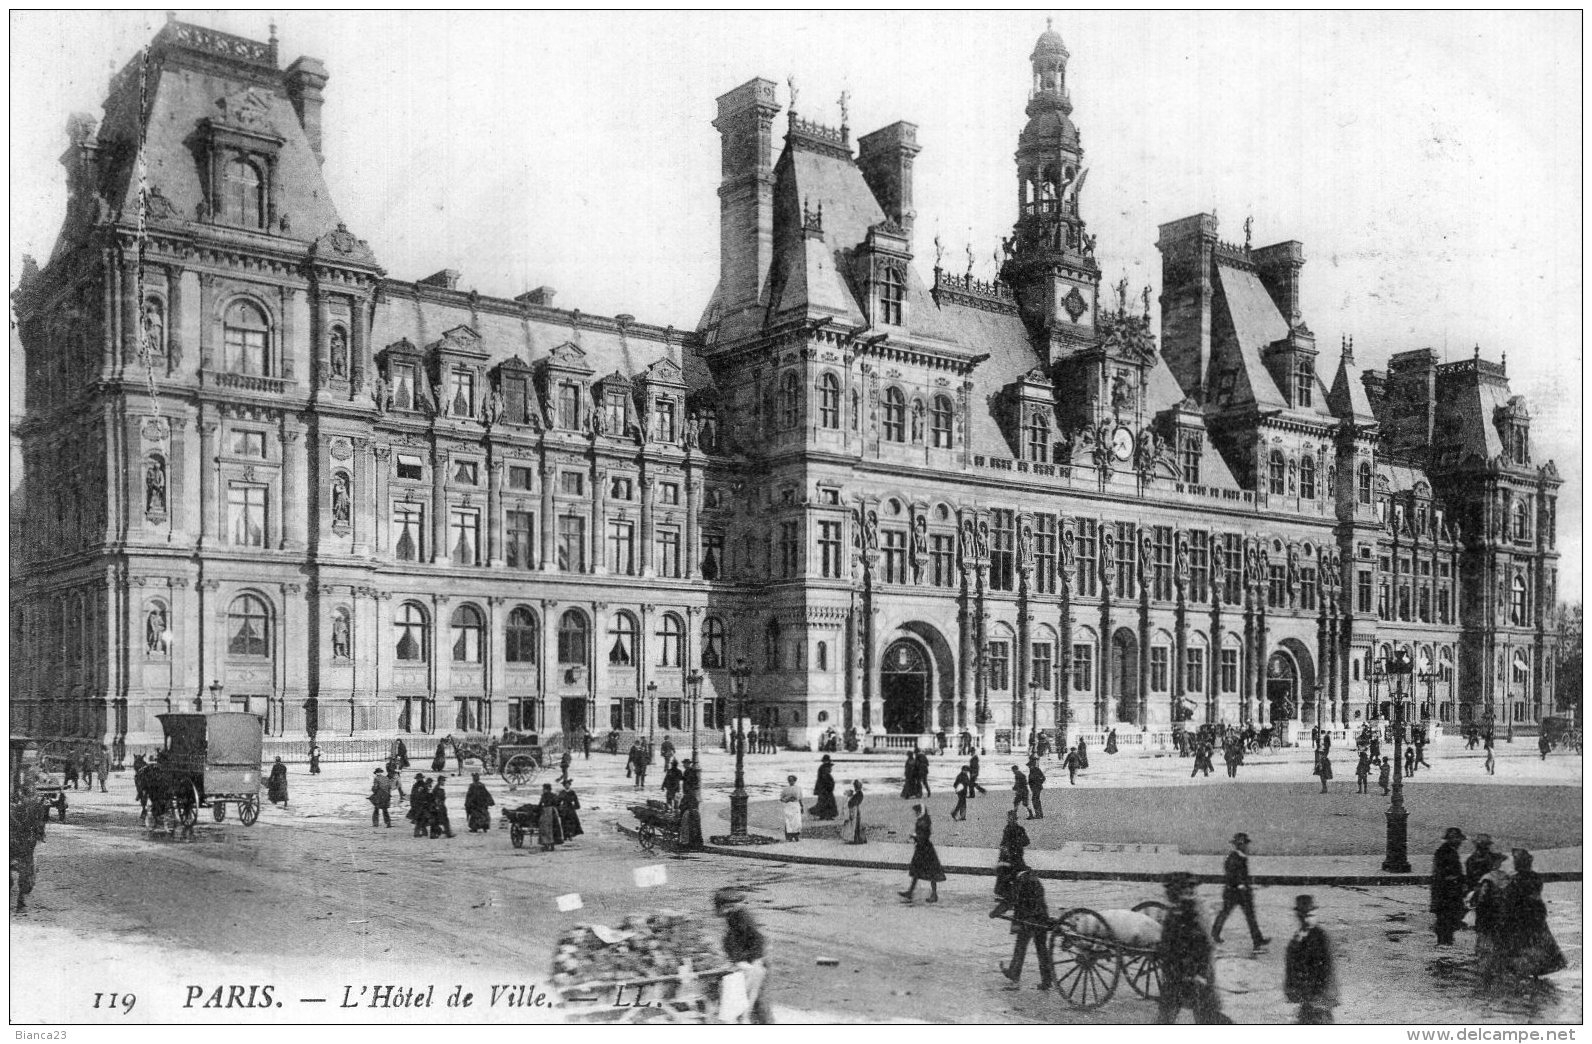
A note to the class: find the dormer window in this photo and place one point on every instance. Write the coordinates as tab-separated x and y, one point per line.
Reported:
244	201
516	396
1364	484
1522	445
1038	437
1304	382
614	411
403	386
569	406
1188	458
892	294
463	404
663	422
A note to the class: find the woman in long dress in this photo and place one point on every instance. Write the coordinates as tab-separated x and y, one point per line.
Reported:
1529	945
477	799
824	806
569	812
790	800
276	786
1083	754
439	760
1487	899
925	864
851	830
909	785
1111	742
549	824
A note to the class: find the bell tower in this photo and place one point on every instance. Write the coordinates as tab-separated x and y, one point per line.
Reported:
1050	256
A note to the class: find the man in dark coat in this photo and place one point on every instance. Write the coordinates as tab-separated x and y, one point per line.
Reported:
1010	861
380	798
1020	791
1238	891
1036	788
1310	975
403	755
563	767
585	743
27	831
961	786
1480	863
671	784
824	806
972	775
1070	762
1030	921
439	760
1185	957
1448	886
440	827
276	786
477	799
569	812
420	805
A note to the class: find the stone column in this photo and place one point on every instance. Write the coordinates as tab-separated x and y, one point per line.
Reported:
207	326
967	654
295	505
646	484
174	314
599	520
1108	646
439	503
132	327
494	508
360	343
549	556
209	523
693	503
381	509
320	337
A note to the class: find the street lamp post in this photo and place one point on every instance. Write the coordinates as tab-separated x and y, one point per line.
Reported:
215	696
652	714
693	683
741	672
1397	859
1033	715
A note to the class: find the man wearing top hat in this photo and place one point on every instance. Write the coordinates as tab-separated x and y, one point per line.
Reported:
1448	886
1310	976
1238	891
1480	863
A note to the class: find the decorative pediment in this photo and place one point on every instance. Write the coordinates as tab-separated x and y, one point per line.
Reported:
341	245
512	365
569	356
461	340
664	371
617	379
403	346
247	110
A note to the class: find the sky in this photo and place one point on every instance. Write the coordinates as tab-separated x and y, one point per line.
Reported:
1429	163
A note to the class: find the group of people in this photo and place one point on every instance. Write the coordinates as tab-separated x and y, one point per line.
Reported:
83	765
758	740
556	817
1513	940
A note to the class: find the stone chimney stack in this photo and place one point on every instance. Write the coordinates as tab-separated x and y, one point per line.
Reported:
1187	288
1278	266
542	295
746	197
305	79
885	157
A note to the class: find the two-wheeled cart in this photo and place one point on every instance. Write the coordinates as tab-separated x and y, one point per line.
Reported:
1090	958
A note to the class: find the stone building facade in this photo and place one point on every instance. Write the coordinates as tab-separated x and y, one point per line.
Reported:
262	474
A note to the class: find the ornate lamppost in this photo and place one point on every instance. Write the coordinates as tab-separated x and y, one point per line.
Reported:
693	682
1397	858
652	714
215	697
1033	717
739	673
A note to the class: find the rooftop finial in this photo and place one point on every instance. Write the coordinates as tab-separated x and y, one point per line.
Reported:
1147	300
790	81
1122	296
939	251
969	249
1047	24
1348	351
1249	224
845	108
1477	353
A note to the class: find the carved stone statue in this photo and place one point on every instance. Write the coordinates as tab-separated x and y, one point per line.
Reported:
981	541
1123	394
339	350
381	392
1108	556
1025	546
968	550
693	432
342	508
917	420
920	547
1293	568
1180	576
1218	562
155	630
870	533
1069	549
492	408
342	646
155	485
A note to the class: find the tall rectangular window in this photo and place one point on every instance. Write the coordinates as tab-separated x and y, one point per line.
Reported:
942	559
1277	587
1445	605
1233	569
572	483
1307	589
1045	553
520	539
712	555
1384	599
1362	590
1188	456
1199	566
1163	564
1042	665
663	425
614	412
1127	559
1000	666
515	398
571	544
1002	564
1424	604
1194	670
892	295
463	404
245	350
829	545
622	548
895	556
464	537
668	551
409	527
246	515
1088	564
1082	667
1229	670
404	383
569	406
789	550
521	478
1160	657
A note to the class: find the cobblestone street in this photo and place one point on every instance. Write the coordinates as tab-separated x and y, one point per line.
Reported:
316	887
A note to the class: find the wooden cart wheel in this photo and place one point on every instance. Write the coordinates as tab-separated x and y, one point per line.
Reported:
249	810
1086	958
1143	967
520	770
189	814
647	837
219	811
516	835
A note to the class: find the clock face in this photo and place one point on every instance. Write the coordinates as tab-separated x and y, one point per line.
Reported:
1122	443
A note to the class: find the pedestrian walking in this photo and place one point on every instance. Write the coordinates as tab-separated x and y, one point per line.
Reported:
381	799
939	742
643	760
745	945
910	787
1362	774
401	751
630	758
1481	861
925	865
395	782
1030	923
420	805
1487	899
1010	861
440	825
140	790
666	750
1530	948
102	766
1186	959
1202	760
1489	764
824	807
1234	758
1315	737
563	767
477	799
1543	746
569	812
1070	762
315	759
276	784
1238	891
1310	974
69	776
923	774
1448	886
549	823
1020	792
585	743
1409	762
439	760
672	776
961	787
28	818
1111	742
790	799
1384	773
1036	787
1420	746
851	831
1326	741
1083	755
1324	768
972	775
690	815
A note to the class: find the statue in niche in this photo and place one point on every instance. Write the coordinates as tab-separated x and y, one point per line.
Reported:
917	421
154	330
342	646
155	485
1122	391
493	408
339	349
381	393
342	508
920	547
155	631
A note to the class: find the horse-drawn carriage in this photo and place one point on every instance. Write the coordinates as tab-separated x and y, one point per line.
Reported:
208	759
517	757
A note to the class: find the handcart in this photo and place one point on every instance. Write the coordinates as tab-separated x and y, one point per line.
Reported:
1090	959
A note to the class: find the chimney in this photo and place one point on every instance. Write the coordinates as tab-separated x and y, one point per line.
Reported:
746	198
1187	286
305	78
447	279
542	295
1278	266
885	157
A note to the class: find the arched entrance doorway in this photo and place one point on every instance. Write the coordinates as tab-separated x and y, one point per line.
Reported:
1125	675
1282	688
905	685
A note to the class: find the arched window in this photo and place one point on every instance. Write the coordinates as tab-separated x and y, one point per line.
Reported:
895	416
1364	484
572	638
790	400
245	194
248	627
829	401
940	414
821	657
1038	436
713	651
1517	602
1278	477
414	642
622	633
1522	514
1445	669
671	641
1307	476
246	337
520	637
466	626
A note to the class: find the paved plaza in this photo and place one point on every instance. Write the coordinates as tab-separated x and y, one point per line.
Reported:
315	887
